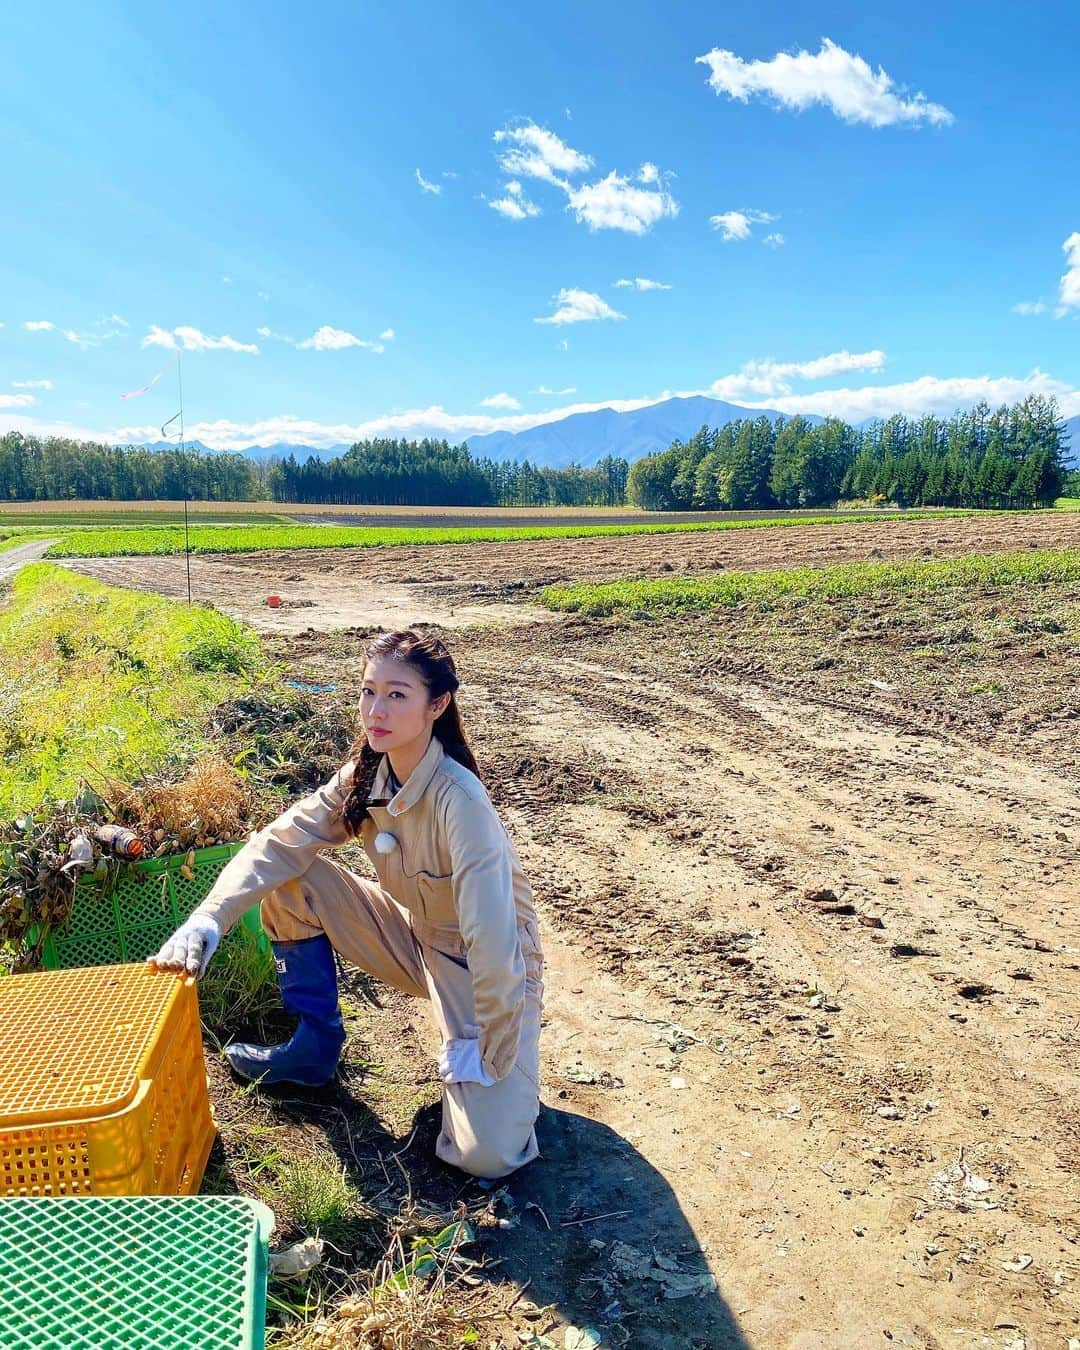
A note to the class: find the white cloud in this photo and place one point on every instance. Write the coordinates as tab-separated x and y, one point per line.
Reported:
193	340
928	394
579	307
226	281
774	240
263	295
556	393
103	329
915	397
31	384
504	401
17	400
564	345
767	379
1069	294
832	77
614	203
1030	307
515	205
327	339
387	335
643	284
436	188
736	225
534	152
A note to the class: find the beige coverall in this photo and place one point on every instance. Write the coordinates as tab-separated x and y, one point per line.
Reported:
451	919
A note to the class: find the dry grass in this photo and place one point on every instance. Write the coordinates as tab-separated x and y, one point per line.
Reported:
211	803
418	1298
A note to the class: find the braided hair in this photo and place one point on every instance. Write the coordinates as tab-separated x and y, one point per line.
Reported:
435	666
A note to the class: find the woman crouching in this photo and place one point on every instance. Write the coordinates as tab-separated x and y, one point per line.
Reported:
450	919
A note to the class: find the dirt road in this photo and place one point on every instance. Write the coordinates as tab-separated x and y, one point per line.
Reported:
814	949
12	559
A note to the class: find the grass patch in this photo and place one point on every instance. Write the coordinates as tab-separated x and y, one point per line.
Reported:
248	538
319	1198
815	583
1067	504
106	684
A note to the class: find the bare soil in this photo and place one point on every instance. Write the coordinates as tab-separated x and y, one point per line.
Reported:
808	886
456	585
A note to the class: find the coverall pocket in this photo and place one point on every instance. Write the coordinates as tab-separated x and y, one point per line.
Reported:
437	897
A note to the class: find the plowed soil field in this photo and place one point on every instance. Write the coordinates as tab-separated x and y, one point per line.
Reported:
808	881
460	584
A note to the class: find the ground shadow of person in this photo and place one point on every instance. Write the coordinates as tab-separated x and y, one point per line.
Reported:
597	1234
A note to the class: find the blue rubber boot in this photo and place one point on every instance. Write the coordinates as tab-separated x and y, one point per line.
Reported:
309	991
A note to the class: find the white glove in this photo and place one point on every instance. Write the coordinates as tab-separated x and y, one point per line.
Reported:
459	1061
190	947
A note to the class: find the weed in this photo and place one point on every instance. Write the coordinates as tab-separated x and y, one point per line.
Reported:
240	988
319	1198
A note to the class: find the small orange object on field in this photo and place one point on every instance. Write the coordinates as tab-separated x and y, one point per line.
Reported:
274	601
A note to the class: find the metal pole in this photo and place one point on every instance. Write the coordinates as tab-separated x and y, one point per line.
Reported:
183	458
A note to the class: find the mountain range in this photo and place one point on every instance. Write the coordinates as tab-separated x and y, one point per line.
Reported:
585	438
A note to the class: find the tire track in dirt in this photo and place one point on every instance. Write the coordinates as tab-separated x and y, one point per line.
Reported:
781	794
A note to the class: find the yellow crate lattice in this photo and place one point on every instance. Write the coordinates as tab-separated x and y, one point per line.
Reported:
103	1084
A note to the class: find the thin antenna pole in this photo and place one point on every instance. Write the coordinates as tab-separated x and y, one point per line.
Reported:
183	460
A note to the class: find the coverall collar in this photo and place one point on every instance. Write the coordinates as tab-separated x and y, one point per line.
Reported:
415	785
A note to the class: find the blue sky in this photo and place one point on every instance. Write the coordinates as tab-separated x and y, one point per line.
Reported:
358	219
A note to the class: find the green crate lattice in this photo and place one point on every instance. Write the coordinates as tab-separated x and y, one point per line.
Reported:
147	902
134	1273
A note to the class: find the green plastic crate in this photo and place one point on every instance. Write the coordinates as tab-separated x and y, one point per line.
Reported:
146	903
134	1272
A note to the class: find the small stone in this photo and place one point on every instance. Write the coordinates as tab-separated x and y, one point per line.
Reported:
888	1112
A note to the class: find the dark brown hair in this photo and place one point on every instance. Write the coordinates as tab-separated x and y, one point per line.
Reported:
435	666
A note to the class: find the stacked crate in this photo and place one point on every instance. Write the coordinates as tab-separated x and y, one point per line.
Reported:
105	1130
102	1084
134	1273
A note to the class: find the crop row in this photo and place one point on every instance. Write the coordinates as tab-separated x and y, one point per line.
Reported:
845	579
249	538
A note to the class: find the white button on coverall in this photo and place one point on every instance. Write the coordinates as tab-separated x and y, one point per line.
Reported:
451	919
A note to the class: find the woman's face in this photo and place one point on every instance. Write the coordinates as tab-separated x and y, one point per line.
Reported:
395	707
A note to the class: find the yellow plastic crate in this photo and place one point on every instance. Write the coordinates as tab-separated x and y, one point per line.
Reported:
102	1084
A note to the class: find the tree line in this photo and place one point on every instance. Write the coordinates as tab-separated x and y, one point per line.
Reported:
54	468
1008	457
390	472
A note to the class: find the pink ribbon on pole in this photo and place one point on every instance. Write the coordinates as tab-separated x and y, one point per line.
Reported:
136	392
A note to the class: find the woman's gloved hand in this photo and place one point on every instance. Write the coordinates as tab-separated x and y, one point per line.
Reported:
459	1061
190	947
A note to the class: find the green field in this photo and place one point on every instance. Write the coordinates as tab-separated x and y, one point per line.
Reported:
1067	504
102	682
248	538
846	579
